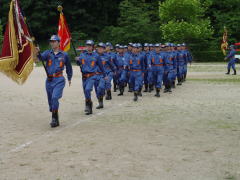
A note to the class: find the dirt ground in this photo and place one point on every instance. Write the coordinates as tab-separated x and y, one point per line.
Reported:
191	134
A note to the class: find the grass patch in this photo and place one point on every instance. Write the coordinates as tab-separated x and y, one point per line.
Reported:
217	80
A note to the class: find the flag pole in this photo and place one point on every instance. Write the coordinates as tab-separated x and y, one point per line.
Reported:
34	40
60	9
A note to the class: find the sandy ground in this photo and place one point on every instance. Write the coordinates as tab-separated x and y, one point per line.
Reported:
191	134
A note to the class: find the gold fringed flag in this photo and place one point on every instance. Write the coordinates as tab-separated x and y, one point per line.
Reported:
224	44
9	55
63	31
16	60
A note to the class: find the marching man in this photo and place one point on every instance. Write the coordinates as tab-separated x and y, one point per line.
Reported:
56	60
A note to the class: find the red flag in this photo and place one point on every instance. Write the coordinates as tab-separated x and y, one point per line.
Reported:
224	44
64	33
16	60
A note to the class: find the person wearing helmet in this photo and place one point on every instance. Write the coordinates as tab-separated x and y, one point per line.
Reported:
157	63
232	60
90	67
56	61
108	66
169	67
135	64
112	56
121	73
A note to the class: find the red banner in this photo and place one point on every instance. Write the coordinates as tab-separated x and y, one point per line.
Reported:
64	33
16	59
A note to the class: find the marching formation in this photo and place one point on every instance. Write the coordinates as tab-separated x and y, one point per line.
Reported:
136	66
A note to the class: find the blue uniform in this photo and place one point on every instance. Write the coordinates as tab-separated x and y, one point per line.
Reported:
150	75
112	57
135	64
56	81
127	77
232	60
175	59
170	65
109	69
181	59
121	73
92	71
188	59
157	63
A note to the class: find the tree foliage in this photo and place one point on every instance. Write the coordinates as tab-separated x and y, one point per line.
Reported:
138	22
183	21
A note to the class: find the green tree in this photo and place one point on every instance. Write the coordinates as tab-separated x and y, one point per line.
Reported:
183	21
85	18
225	13
134	24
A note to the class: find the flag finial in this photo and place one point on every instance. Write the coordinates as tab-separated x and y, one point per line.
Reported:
60	8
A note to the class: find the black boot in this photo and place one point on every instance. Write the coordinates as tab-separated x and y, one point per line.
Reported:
170	87
109	95
121	88
228	72
55	120
179	81
135	96
150	88
173	85
130	88
100	101
157	92
146	88
184	77
115	87
89	107
165	89
235	72
140	92
85	106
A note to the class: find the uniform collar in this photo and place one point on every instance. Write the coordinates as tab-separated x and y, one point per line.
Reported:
57	53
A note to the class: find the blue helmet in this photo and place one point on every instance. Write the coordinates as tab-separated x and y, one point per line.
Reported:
89	42
139	45
135	45
232	46
146	44
108	44
167	44
101	45
55	38
130	44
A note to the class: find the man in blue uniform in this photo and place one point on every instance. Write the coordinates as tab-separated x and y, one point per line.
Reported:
56	60
121	73
91	66
146	56
108	67
135	64
188	59
169	67
150	77
126	55
156	63
232	60
112	56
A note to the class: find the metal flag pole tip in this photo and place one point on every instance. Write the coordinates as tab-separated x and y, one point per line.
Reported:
60	8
